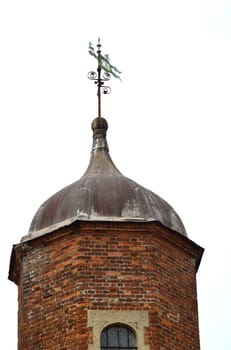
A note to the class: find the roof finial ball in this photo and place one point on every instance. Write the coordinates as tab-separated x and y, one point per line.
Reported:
99	126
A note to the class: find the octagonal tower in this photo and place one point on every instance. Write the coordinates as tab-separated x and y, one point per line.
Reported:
105	257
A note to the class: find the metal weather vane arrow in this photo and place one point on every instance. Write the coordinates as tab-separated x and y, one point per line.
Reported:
105	65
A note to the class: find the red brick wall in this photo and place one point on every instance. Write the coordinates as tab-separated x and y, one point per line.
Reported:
113	267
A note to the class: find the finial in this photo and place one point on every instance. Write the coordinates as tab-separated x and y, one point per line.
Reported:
99	126
103	63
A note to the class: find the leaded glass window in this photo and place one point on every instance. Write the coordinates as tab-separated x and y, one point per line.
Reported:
118	337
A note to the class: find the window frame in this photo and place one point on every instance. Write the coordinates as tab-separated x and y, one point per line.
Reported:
129	331
137	321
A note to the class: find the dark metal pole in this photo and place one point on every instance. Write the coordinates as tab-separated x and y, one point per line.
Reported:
99	79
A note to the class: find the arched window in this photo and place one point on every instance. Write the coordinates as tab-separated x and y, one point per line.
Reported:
118	337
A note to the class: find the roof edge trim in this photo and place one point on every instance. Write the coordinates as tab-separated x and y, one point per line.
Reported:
36	234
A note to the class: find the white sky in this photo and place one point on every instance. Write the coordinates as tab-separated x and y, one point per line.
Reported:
168	121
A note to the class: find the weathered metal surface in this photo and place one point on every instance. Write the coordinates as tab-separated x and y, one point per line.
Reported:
102	194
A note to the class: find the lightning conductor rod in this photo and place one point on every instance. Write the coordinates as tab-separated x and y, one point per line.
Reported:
103	64
99	80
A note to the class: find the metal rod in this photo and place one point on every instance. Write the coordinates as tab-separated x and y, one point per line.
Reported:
99	79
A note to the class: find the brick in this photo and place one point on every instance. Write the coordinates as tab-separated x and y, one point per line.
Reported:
107	266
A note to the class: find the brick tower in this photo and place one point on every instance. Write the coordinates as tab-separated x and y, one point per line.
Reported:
106	265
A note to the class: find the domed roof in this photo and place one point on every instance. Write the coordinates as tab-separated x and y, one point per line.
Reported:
102	194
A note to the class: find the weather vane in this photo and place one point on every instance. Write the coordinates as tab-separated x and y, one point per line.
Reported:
109	70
